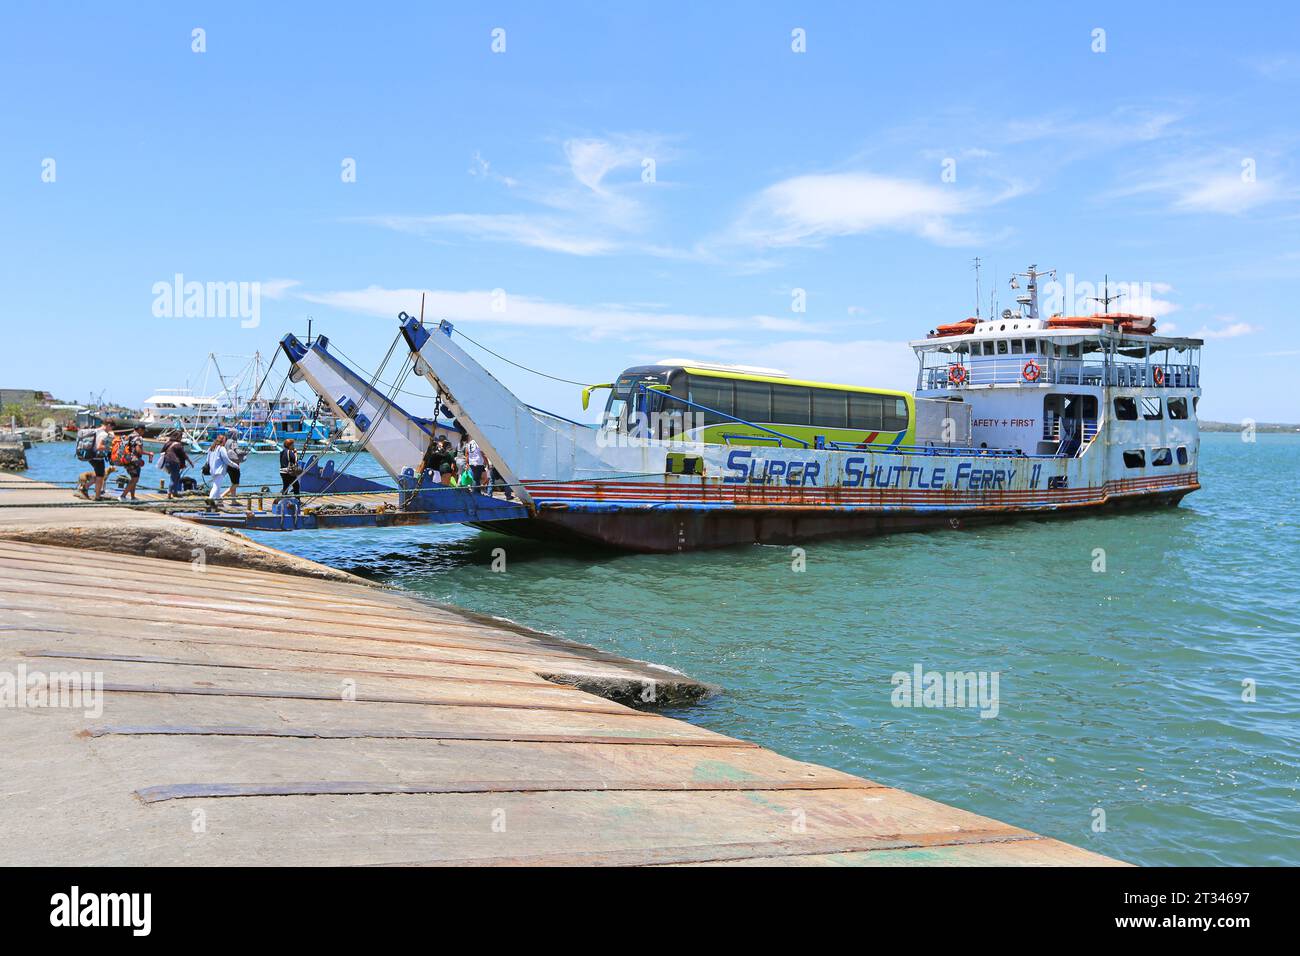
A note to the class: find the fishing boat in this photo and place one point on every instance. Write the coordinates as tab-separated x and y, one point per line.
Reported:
1014	416
241	411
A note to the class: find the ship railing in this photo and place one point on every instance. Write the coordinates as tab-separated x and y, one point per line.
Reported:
943	450
1052	429
1016	370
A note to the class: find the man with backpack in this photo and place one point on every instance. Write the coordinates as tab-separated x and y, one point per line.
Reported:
129	452
102	445
174	460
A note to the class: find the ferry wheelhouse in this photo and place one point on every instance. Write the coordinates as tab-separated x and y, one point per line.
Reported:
1019	415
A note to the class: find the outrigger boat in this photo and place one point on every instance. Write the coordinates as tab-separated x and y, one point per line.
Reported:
1015	416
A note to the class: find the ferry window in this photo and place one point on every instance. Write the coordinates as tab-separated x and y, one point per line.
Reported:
895	415
1135	459
1161	457
1017	347
1074	351
829	408
1182	454
754	401
1151	409
866	411
1002	346
1126	409
790	404
715	394
1177	407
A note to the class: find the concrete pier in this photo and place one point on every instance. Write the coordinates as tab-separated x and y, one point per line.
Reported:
252	716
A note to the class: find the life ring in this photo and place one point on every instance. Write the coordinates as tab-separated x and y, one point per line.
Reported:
1157	375
1031	371
957	374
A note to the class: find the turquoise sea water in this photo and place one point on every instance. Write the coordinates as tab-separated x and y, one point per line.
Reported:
1119	691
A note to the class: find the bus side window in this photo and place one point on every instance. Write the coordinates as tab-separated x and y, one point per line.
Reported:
715	394
895	415
753	401
829	408
866	412
790	404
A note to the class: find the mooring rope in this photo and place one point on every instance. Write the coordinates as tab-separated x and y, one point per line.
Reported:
553	378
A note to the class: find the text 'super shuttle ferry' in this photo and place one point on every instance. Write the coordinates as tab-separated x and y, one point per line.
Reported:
1020	415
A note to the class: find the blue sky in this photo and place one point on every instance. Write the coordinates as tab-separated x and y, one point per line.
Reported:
1169	160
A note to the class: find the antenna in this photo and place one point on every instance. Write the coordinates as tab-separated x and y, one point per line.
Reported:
1106	298
977	287
1029	297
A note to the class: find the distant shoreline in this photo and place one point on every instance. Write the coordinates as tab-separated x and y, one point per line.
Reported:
1270	427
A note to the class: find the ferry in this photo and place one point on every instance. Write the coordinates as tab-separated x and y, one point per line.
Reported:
1018	415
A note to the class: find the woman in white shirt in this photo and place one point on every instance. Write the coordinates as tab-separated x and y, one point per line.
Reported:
218	465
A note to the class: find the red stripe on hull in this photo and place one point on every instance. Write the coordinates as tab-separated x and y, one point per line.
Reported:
669	530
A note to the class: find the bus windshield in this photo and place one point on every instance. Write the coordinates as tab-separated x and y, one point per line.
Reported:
626	399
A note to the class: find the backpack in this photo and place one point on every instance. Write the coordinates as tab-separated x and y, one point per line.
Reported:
117	453
86	446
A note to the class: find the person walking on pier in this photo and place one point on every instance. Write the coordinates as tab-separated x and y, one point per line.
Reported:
175	460
217	468
99	456
133	461
237	456
289	470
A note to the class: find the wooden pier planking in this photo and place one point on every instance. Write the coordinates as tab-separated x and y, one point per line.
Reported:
224	692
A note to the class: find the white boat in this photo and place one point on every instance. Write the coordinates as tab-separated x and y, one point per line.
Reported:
169	406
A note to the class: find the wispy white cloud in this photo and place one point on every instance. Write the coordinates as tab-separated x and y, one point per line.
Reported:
1278	66
595	204
489	307
278	288
811	209
1148	299
1228	327
538	231
1070	134
480	168
1225	182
